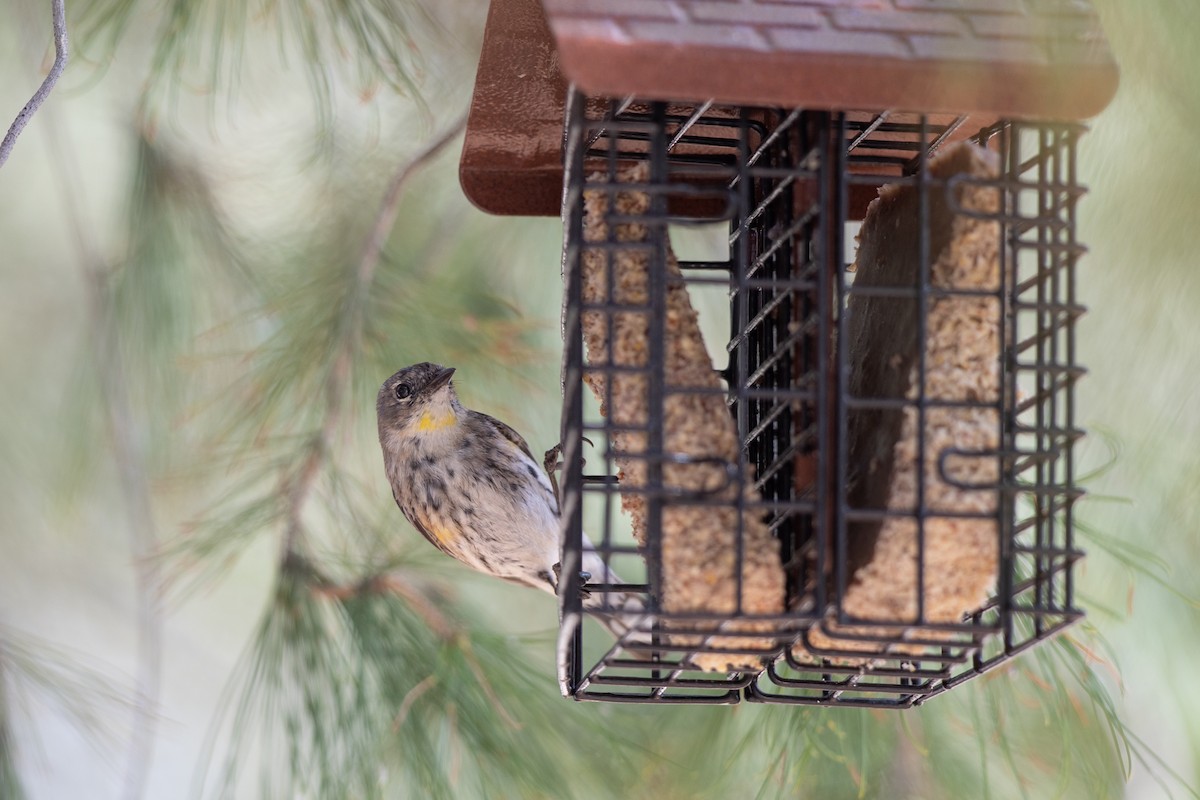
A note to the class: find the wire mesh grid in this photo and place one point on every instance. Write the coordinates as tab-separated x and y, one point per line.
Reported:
785	181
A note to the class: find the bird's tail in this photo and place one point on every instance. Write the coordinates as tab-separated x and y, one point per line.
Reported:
623	614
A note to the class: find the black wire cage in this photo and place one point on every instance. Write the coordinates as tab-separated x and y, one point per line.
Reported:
918	515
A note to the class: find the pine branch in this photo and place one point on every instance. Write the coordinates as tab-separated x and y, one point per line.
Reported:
61	55
10	779
356	690
296	695
350	334
339	310
128	458
371	42
143	537
34	669
399	585
385	219
406	650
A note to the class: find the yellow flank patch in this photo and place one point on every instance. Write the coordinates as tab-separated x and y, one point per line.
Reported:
444	535
430	422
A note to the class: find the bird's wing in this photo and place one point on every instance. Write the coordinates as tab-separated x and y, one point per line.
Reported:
507	432
535	467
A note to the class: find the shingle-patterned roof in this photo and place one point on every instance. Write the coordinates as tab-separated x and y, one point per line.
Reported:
1034	58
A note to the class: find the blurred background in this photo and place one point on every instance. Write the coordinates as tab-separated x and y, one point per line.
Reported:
192	330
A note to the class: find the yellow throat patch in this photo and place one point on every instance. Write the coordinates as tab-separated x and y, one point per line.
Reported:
432	422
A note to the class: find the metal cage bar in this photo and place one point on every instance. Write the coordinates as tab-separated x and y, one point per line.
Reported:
781	180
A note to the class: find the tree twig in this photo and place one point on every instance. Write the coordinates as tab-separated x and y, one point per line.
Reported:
385	219
411	697
126	452
481	676
301	484
61	54
419	602
390	583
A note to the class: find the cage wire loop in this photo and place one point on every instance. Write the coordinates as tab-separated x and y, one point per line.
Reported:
967	475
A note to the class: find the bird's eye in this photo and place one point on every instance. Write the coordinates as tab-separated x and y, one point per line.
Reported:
403	390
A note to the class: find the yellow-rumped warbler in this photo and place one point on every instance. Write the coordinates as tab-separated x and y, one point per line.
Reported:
470	485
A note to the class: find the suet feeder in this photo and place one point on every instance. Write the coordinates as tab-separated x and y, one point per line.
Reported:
868	499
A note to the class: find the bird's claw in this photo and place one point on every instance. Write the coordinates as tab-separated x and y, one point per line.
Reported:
551	464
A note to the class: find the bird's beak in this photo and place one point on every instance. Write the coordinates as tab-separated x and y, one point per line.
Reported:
440	379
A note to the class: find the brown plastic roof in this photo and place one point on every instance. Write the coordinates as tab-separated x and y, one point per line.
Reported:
1031	58
1025	58
512	155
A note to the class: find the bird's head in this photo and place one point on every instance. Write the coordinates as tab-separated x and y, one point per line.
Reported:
417	400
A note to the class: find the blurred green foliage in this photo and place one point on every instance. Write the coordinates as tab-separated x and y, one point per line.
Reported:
231	273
